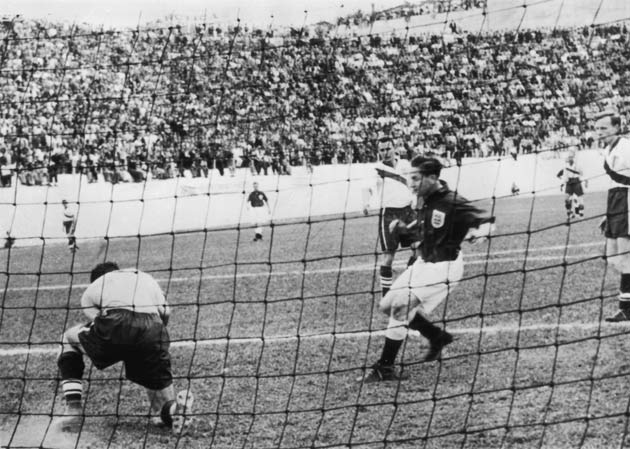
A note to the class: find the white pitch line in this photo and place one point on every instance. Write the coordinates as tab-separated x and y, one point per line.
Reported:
531	259
54	348
359	268
538	249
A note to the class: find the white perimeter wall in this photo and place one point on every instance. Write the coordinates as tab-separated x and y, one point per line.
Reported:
220	201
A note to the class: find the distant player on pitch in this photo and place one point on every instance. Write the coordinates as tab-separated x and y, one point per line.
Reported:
571	176
615	225
128	317
258	205
447	219
70	224
389	192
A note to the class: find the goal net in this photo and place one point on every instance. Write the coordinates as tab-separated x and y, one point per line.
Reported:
155	138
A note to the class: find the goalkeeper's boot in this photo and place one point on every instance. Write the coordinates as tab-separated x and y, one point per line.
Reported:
618	317
437	344
72	419
182	416
384	373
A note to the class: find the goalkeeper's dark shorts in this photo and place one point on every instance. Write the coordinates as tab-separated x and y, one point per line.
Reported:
390	241
574	187
617	213
139	340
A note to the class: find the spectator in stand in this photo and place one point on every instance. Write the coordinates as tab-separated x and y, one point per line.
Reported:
332	92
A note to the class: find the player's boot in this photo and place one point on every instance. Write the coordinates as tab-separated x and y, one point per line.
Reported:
383	373
72	419
437	344
182	416
618	317
579	211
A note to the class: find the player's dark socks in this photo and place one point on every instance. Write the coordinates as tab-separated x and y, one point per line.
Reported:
390	351
567	206
624	294
70	365
426	328
386	278
71	368
165	413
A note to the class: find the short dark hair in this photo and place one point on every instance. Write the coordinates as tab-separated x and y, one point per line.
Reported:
102	269
427	165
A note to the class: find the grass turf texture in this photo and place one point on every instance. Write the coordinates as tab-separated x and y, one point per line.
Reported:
271	336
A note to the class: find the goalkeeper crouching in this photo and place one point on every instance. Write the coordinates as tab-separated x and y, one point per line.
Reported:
445	220
128	317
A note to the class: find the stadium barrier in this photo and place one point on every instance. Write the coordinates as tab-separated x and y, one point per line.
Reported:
31	213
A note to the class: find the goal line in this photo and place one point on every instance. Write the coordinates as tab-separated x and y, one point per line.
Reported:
48	348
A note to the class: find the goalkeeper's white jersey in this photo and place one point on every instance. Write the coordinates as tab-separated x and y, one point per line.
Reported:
389	186
618	159
128	289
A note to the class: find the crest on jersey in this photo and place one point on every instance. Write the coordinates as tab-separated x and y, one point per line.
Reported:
437	219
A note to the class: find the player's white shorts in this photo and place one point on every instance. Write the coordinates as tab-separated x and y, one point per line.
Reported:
422	286
260	215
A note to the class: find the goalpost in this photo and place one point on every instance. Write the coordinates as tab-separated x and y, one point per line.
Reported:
272	334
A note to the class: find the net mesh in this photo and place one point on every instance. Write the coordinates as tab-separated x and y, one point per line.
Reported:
154	137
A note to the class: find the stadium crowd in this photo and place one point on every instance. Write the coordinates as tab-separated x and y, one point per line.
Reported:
407	10
175	101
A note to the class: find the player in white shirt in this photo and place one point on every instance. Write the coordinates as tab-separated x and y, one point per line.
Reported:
128	316
70	224
389	192
571	176
616	223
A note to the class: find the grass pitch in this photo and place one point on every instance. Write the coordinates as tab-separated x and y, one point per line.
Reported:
272	337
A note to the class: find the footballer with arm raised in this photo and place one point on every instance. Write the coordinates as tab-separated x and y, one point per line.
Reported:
447	219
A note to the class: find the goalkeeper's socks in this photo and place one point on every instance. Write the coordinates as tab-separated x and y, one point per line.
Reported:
386	278
71	368
390	351
624	294
72	390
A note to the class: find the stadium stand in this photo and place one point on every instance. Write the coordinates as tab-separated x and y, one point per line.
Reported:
124	105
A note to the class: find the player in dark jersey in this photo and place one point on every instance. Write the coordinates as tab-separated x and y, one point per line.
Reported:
446	220
260	210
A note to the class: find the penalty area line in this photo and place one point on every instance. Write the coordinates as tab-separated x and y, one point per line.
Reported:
352	268
46	349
